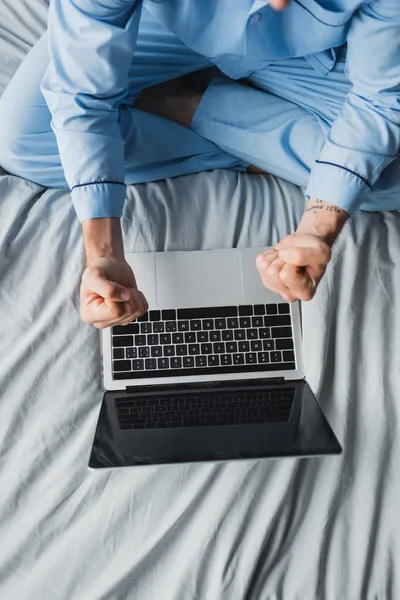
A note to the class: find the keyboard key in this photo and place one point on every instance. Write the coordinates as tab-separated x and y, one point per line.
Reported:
281	332
264	333
156	351
245	322
219	348
245	311
227	335
256	345
140	340
170	326
132	328
119	353
188	361
288	356
138	365
251	358
165	338
271	309
240	334
226	360
232	323
213	360
277	320
215	336
143	318
169	315
122	365
163	363
207	313
183	326
145	328
153	339
268	344
195	325
238	359
276	357
220	323
176	362
158	327
150	364
283	309
144	352
202	337
257	322
190	337
244	346
201	361
263	357
194	349
169	350
181	349
155	315
208	324
259	309
122	340
284	344
231	347
177	338
252	334
206	348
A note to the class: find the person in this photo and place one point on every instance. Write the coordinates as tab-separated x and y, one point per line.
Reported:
307	90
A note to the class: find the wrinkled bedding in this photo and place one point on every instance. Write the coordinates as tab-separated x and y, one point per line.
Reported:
292	529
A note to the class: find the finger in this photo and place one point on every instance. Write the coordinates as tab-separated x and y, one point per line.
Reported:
144	301
134	309
302	257
98	309
312	244
94	281
301	286
271	280
264	259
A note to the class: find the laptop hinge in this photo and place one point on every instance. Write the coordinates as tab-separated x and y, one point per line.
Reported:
131	389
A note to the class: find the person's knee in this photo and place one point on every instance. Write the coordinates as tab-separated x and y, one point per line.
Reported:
10	137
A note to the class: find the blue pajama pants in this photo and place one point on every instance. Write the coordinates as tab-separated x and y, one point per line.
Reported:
279	127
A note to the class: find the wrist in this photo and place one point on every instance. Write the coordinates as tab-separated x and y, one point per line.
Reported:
323	219
102	238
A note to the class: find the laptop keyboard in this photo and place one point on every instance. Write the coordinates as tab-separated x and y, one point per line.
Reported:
193	341
273	406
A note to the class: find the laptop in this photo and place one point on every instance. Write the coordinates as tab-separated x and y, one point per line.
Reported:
213	371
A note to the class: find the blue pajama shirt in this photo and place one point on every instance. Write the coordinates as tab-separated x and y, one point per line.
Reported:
325	114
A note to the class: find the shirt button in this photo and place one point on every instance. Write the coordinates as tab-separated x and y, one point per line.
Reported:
254	19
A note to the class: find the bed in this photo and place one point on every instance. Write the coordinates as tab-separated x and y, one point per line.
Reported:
293	529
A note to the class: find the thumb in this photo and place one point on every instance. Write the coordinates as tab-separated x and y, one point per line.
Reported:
301	257
105	288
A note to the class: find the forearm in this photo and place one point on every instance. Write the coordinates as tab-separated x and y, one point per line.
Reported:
323	219
102	238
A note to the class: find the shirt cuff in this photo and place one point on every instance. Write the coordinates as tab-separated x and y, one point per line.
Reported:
98	200
337	185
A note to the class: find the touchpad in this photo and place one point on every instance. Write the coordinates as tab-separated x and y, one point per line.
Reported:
207	278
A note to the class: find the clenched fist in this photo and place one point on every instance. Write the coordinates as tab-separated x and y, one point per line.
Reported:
295	266
109	294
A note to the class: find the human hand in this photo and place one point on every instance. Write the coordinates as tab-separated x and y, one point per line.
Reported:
109	294
295	266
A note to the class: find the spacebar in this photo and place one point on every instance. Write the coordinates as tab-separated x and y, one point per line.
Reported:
200	371
214	312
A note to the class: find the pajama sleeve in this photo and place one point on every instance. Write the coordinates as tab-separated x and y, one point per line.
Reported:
365	137
91	44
